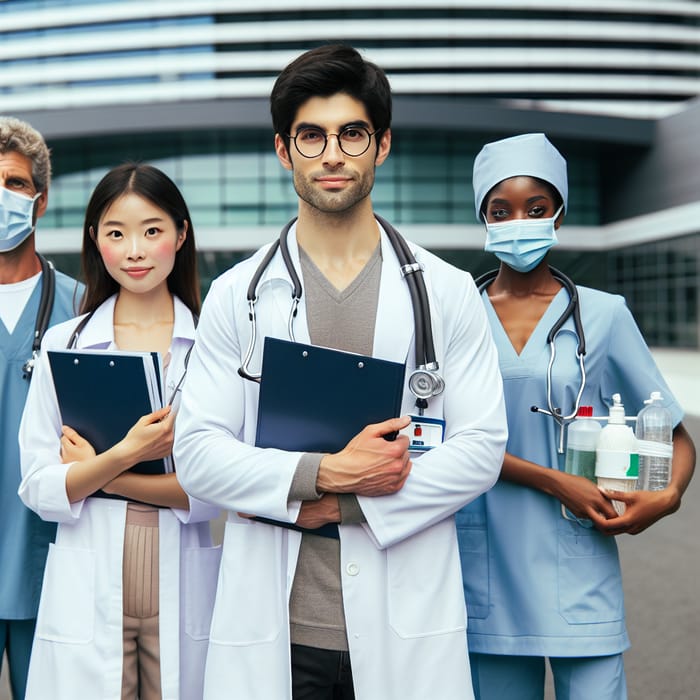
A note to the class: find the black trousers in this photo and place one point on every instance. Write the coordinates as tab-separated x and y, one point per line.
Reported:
321	674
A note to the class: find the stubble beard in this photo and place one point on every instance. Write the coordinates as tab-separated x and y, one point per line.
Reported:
328	202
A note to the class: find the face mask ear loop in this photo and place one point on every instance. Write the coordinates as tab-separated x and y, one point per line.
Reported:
34	208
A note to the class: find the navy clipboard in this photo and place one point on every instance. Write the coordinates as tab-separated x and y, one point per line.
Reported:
316	399
101	395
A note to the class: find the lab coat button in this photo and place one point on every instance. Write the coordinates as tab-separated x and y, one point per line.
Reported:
352	569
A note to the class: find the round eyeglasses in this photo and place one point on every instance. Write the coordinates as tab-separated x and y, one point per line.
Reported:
353	140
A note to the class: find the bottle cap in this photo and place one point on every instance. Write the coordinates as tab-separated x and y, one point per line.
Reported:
654	396
584	412
617	411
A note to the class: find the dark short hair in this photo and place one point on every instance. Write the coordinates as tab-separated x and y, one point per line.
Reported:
325	71
155	186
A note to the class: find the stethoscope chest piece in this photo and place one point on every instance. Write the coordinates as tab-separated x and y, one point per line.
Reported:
424	382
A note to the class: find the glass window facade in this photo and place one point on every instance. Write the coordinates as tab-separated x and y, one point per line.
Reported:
231	178
660	282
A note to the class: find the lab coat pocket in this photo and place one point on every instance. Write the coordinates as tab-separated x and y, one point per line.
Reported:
590	581
472	535
201	574
67	605
424	593
250	594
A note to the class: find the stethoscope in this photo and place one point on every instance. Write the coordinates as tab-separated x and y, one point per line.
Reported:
424	381
48	294
572	311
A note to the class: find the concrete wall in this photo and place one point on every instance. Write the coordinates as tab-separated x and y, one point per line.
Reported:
643	180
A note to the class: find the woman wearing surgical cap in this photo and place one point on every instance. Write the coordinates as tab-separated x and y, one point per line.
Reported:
541	570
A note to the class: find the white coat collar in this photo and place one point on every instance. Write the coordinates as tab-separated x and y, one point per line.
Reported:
394	326
99	332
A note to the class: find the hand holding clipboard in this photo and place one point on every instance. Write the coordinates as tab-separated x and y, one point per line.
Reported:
111	402
316	399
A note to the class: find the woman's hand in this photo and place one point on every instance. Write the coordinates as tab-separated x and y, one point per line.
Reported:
151	437
584	499
579	495
642	509
74	447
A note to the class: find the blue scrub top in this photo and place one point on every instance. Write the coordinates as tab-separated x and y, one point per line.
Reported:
536	583
24	537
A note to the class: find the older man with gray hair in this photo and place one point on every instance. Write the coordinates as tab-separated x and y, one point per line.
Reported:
33	296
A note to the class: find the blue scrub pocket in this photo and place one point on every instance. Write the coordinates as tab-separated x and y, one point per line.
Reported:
590	581
472	534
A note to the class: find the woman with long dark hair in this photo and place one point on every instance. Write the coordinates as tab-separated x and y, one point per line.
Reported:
131	548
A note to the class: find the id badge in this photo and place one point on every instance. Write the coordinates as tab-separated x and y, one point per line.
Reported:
424	433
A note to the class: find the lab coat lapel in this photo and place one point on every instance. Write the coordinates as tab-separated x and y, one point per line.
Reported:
99	332
394	328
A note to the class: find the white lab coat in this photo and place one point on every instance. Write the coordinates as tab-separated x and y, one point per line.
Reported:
401	581
77	651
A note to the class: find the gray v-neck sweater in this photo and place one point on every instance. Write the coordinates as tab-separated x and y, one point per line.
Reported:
343	320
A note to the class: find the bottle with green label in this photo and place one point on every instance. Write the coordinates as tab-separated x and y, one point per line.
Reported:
617	459
581	443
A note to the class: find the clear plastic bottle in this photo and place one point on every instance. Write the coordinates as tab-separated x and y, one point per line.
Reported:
655	442
581	442
617	459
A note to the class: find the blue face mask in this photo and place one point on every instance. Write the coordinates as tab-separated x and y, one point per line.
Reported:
521	243
16	218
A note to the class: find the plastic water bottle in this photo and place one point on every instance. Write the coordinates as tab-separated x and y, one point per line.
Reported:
655	441
617	459
581	442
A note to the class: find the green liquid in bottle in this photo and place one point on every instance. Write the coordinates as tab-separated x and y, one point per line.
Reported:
581	463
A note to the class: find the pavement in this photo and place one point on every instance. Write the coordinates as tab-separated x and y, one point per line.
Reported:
661	568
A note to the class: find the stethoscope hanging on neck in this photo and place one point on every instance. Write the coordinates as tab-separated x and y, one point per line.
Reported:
573	311
48	294
424	382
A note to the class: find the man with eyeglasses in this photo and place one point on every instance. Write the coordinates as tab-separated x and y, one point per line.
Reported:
378	612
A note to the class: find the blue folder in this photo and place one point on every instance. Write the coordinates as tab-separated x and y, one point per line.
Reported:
101	394
316	399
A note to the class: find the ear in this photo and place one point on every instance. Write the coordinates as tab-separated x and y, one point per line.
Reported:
384	147
283	153
41	203
182	236
559	220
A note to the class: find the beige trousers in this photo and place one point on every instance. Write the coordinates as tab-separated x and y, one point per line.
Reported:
141	646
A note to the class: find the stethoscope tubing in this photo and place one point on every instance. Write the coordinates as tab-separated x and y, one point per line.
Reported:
46	301
410	268
573	311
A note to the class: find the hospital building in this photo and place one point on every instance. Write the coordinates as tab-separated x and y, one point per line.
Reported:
184	85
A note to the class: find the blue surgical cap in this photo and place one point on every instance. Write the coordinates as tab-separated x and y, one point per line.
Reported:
529	154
